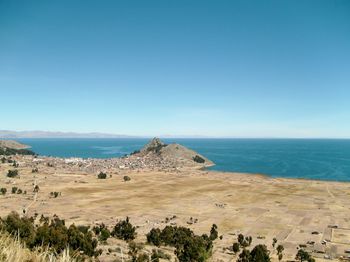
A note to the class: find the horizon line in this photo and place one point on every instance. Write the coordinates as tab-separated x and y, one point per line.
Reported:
16	134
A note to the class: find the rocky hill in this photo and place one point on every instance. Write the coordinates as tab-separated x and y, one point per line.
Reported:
174	153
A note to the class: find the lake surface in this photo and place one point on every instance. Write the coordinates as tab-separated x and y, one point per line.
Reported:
324	159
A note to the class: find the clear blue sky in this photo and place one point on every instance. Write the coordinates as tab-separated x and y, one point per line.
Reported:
212	68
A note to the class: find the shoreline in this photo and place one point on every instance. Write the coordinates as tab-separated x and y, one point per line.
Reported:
204	168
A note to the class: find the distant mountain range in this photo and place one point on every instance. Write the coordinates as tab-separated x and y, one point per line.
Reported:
48	134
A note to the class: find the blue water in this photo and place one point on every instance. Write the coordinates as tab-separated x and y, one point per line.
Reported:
323	159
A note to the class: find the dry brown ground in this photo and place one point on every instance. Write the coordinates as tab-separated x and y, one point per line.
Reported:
288	209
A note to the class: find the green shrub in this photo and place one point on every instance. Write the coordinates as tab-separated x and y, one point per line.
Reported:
260	254
235	247
36	189
280	249
83	229
105	234
14	190
102	232
274	241
124	230
83	242
55	194
21	227
213	232
244	241
35	170
58	237
3	191
102	175
12	173
126	178
303	255
196	248
198	159
153	237
189	247
51	233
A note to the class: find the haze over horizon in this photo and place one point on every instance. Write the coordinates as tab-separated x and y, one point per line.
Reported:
199	68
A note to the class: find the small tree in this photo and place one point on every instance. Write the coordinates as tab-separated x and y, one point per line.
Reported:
14	190
153	237
36	189
274	241
260	254
244	241
104	235
124	230
280	249
55	194
3	191
235	247
126	178
12	173
102	175
213	232
303	255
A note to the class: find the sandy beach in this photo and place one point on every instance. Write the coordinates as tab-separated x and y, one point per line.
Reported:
297	212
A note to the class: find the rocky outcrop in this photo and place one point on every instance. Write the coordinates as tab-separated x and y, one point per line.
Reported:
175	153
154	146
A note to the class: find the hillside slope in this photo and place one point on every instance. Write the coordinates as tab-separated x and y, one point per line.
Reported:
174	152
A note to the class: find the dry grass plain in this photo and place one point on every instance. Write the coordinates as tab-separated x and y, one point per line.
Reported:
294	211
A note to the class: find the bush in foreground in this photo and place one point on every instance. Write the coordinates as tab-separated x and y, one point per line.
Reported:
52	234
189	247
124	230
12	249
102	232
